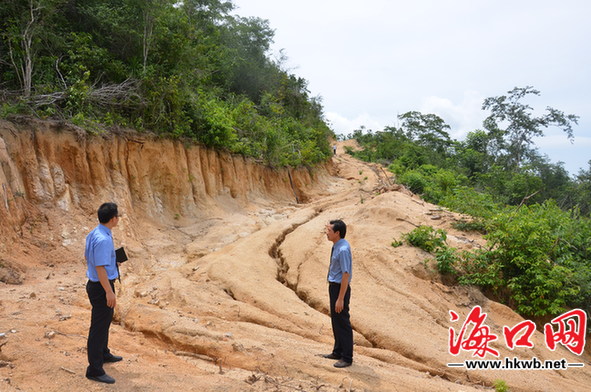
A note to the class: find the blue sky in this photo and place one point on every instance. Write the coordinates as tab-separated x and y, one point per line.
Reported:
373	60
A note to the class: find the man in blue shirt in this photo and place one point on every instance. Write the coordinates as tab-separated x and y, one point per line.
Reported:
339	291
102	272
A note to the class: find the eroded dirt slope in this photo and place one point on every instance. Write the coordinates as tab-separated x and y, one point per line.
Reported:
225	287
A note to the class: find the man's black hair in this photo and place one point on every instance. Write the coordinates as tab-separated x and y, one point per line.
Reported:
340	226
107	211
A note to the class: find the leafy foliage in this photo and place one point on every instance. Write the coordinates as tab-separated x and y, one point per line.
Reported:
537	258
184	69
512	124
427	238
535	217
501	386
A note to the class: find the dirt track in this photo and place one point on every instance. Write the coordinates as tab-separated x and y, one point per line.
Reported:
236	300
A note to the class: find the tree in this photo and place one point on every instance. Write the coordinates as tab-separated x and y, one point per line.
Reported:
429	130
583	191
473	155
513	125
252	72
22	24
180	68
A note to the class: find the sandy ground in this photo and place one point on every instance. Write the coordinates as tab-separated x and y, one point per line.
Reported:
237	301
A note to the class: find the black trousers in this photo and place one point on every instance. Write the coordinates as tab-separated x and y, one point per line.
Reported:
100	322
341	324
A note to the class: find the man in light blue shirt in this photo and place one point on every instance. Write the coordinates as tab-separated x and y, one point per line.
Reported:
101	272
340	272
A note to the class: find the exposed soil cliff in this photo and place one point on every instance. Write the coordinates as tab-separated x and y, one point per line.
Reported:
225	287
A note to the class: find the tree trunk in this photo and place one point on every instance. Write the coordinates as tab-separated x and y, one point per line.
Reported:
148	30
27	46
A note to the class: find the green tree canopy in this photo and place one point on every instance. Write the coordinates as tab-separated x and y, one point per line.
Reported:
513	125
180	68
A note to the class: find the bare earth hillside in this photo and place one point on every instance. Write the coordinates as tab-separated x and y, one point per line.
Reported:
225	289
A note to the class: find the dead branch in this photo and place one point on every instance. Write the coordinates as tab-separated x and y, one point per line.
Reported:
407	221
67	370
526	198
123	94
418	202
195	355
46	99
57	69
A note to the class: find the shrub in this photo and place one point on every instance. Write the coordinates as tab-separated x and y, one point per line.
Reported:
501	386
427	238
415	181
477	225
447	259
529	256
396	243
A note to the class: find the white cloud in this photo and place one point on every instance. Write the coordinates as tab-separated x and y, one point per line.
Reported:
375	61
561	141
343	125
463	117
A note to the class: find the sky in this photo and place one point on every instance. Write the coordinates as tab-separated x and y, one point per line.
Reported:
372	60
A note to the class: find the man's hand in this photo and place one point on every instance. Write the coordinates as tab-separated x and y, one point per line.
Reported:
102	275
111	299
340	304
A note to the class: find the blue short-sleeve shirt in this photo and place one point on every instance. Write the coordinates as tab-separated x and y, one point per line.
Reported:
340	262
100	251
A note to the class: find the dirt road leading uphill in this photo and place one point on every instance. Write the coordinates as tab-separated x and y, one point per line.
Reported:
225	287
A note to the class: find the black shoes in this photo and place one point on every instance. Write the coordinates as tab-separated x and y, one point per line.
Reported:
341	364
104	378
113	358
338	364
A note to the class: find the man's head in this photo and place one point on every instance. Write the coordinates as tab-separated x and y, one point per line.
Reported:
108	214
336	230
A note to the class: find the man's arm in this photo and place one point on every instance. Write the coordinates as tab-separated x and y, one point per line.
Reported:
104	279
340	304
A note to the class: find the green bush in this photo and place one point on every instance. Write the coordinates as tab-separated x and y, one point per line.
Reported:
447	259
415	181
469	201
475	268
396	243
427	238
529	254
8	109
501	386
477	225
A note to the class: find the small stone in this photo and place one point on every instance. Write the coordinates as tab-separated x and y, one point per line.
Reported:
50	335
32	295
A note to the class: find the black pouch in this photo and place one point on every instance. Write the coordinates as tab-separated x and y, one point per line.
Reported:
120	255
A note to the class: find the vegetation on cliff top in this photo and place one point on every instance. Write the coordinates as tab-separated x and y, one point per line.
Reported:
178	68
